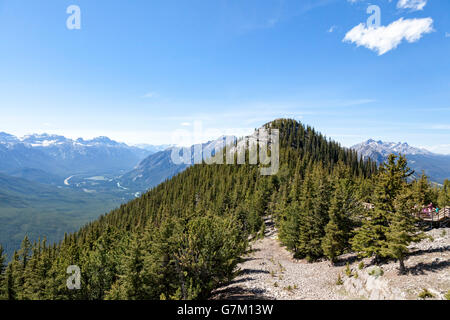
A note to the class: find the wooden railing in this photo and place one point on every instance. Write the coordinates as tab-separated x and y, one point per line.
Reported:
438	217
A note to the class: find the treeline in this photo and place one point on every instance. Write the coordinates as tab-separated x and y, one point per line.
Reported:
185	237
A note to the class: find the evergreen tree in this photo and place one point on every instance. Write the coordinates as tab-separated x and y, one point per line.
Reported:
444	195
12	274
370	238
2	274
313	215
422	191
337	232
403	228
289	230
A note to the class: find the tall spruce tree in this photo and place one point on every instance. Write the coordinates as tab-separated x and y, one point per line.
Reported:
342	209
289	229
2	274
444	195
370	238
313	214
403	228
422	191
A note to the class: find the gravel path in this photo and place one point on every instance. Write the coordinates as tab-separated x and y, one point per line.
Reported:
269	272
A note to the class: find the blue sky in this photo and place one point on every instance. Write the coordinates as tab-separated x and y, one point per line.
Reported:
138	70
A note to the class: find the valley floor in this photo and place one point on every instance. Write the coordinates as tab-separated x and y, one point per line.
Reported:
268	271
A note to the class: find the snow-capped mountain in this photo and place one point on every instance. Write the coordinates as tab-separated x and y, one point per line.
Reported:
436	166
372	147
62	156
8	138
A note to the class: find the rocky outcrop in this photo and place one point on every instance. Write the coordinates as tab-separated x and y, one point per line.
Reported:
365	285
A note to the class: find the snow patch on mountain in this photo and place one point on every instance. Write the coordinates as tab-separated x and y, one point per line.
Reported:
371	147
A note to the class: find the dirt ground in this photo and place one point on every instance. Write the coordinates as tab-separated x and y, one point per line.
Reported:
269	272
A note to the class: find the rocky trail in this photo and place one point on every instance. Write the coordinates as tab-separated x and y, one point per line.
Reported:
269	272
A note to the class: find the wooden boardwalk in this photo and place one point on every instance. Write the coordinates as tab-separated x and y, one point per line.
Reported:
434	217
441	219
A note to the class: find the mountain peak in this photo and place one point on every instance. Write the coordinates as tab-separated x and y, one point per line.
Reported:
7	138
379	149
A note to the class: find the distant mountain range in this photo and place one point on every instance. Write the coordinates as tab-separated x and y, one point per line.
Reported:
40	157
158	167
50	184
435	166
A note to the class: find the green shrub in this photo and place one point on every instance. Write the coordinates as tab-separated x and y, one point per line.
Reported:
376	272
348	271
425	294
361	265
339	281
447	295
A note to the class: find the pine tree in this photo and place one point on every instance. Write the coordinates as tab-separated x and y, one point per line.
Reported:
422	191
2	274
289	230
370	238
130	285
342	208
403	228
12	274
444	195
313	215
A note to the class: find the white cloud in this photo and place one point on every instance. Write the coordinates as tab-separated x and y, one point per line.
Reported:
386	38
332	28
414	5
447	34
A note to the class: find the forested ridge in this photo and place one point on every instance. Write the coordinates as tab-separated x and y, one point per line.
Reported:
185	237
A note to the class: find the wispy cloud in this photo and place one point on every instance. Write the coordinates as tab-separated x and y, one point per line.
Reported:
385	38
332	28
447	34
414	5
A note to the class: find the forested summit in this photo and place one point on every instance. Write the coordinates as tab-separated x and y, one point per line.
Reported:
184	237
